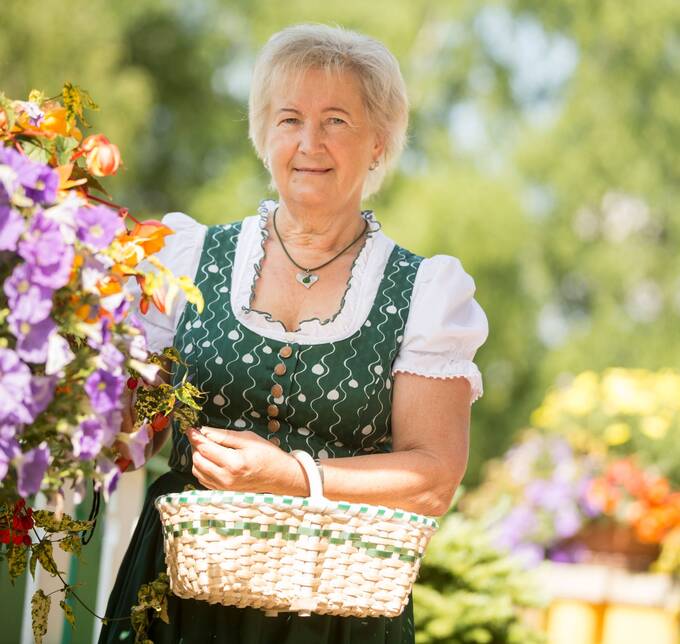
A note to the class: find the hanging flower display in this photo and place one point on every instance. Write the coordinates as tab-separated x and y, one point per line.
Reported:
69	346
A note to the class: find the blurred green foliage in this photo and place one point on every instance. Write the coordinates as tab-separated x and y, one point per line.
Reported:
469	593
543	153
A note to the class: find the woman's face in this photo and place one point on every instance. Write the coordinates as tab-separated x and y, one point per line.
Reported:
319	140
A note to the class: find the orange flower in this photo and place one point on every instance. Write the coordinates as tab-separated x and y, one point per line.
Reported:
102	157
658	491
3	120
150	235
65	182
109	286
55	120
602	495
649	529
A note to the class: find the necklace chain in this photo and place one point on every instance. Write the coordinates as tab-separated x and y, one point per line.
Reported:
308	271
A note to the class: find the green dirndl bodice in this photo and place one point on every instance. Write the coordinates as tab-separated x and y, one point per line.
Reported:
331	399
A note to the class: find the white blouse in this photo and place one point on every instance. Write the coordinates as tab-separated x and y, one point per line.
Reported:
445	325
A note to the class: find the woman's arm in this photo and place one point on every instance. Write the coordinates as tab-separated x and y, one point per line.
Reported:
430	437
430	425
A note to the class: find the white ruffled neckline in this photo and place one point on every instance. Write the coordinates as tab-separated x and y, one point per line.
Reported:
360	289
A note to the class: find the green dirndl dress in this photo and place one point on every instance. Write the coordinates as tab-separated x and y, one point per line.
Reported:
334	400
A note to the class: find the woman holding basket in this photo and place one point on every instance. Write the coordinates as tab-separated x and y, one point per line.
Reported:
319	333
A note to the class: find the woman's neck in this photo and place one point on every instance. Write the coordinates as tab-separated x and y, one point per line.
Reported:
318	230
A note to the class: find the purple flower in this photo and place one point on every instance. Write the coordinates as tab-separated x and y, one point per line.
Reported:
548	494
11	227
27	300
111	424
59	354
516	526
529	554
98	226
44	188
567	521
42	393
40	182
137	444
87	439
32	338
121	311
15	389
43	247
33	111
104	390
110	475
110	358
31	470
9	448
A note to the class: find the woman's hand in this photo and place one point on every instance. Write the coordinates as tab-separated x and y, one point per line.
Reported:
244	462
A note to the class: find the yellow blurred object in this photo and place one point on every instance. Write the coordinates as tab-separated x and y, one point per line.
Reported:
595	604
573	622
636	624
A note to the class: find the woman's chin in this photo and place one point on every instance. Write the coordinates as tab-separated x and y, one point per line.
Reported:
310	195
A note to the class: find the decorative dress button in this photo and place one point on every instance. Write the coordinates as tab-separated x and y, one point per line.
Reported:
273	425
277	390
280	369
272	410
274	440
286	352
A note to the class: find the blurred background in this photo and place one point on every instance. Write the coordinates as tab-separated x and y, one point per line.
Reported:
544	153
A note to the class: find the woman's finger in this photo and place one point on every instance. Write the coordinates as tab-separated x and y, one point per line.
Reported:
208	470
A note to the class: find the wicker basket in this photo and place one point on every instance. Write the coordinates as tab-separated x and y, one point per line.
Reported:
290	553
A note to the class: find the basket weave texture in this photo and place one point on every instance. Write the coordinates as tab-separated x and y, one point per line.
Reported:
286	553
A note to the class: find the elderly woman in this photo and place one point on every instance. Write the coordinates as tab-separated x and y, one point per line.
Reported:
319	333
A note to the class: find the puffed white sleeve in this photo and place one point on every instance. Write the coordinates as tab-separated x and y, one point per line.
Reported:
445	325
181	254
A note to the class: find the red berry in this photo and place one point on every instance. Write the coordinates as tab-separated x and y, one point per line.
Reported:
27	540
132	383
159	422
123	463
4	536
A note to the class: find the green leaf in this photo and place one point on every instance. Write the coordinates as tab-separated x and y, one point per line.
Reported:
185	397
16	561
33	560
6	105
71	543
68	613
40	608
44	552
152	601
36	152
63	148
47	520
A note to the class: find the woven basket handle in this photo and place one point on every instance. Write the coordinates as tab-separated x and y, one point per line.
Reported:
312	472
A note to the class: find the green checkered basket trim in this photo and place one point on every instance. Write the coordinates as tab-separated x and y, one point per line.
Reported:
217	497
290	533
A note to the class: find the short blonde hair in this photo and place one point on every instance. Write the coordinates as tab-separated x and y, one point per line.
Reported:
298	48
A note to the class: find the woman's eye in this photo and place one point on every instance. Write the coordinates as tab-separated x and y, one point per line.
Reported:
291	119
336	120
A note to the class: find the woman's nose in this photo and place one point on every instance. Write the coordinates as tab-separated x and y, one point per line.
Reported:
311	138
